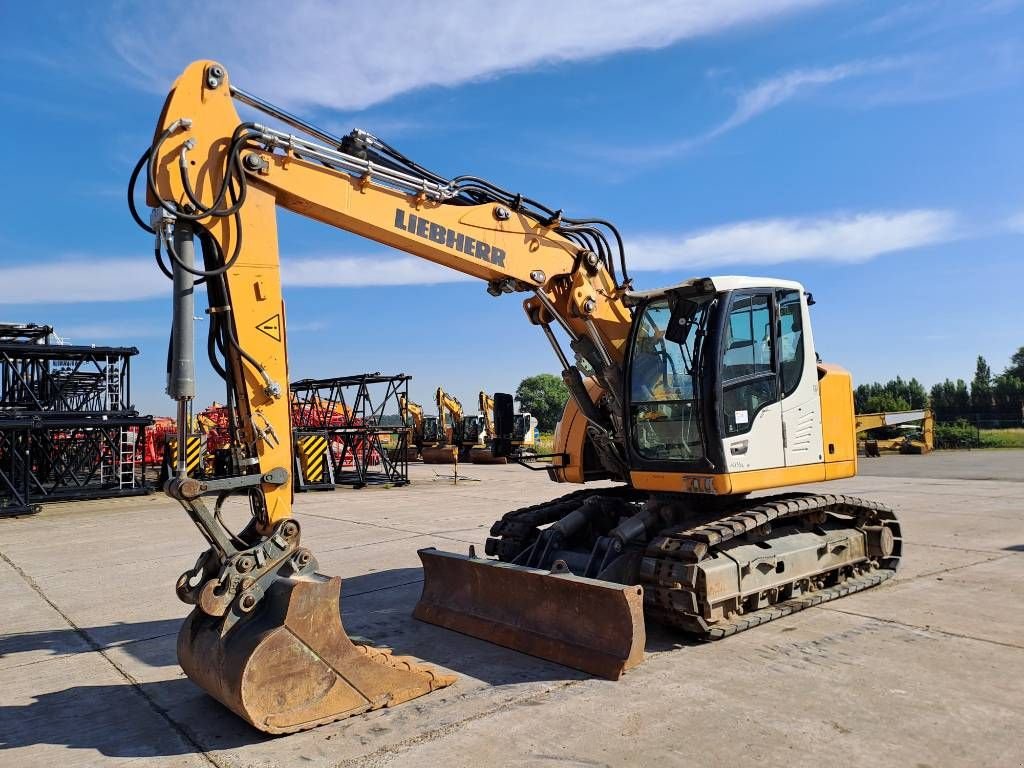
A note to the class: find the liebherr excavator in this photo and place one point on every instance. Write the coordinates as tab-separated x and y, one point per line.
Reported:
688	398
449	430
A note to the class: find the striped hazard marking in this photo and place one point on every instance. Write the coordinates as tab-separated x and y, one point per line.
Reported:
193	452
312	451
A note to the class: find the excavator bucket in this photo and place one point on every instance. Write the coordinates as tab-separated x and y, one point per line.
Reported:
590	625
439	454
290	665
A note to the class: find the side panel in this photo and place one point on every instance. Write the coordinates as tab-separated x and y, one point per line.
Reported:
734	482
837	418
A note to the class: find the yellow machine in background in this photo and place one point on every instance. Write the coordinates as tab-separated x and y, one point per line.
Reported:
449	427
921	440
413	412
697	394
480	451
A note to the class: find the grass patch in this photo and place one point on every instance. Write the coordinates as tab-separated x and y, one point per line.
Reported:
1003	438
545	444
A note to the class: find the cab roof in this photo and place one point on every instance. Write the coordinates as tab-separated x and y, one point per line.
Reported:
714	285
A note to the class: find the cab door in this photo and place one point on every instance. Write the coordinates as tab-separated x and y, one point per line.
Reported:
798	380
751	415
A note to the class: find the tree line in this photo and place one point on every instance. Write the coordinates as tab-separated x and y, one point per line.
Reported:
988	395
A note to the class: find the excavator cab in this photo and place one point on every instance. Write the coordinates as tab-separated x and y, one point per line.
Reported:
722	396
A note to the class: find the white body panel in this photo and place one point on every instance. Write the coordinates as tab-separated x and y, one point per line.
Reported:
761	447
801	411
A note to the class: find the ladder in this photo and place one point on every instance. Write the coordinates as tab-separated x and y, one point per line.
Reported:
113	381
126	459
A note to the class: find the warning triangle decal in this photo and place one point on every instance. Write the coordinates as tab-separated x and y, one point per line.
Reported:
272	327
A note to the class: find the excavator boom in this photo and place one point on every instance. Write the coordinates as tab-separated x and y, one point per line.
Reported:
265	634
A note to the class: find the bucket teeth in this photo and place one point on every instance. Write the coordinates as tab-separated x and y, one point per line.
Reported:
290	665
591	625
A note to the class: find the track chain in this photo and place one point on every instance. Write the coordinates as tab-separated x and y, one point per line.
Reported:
669	568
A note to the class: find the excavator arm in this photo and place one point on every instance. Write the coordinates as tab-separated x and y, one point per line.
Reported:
414	412
487	409
264	637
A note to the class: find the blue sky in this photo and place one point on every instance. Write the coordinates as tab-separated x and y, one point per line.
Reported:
871	150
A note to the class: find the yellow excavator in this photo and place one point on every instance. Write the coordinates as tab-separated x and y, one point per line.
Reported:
917	441
481	446
688	398
412	413
449	431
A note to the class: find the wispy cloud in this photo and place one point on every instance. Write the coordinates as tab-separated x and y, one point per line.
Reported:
770	93
765	96
847	238
844	238
353	271
75	280
351	58
1016	222
90	333
78	279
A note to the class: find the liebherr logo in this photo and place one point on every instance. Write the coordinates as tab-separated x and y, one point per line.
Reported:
449	238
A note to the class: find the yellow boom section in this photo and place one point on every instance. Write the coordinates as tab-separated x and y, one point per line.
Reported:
506	248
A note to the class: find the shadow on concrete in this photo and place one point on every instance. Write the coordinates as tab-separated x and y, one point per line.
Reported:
175	717
1015	548
662	638
122	721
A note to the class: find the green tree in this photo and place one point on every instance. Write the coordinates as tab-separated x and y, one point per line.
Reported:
544	396
1008	392
895	395
885	402
951	394
1016	368
981	386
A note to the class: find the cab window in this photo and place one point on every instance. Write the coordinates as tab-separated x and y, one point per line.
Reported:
749	381
791	341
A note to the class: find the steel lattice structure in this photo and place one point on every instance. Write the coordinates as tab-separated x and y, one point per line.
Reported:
362	423
68	429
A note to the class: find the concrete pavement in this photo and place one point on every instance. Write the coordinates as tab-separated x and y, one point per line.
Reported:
925	670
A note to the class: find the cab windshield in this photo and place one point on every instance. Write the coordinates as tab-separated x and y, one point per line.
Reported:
664	382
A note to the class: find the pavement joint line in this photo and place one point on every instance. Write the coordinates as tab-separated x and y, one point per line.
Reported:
145	561
383	754
934	630
965	549
439	534
380	589
952	568
180	730
370	544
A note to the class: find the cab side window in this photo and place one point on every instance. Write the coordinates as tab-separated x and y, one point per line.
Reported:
749	381
791	341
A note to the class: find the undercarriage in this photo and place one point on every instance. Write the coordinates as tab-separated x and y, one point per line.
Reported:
709	566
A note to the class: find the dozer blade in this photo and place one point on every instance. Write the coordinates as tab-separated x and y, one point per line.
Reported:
591	625
485	456
290	665
439	454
